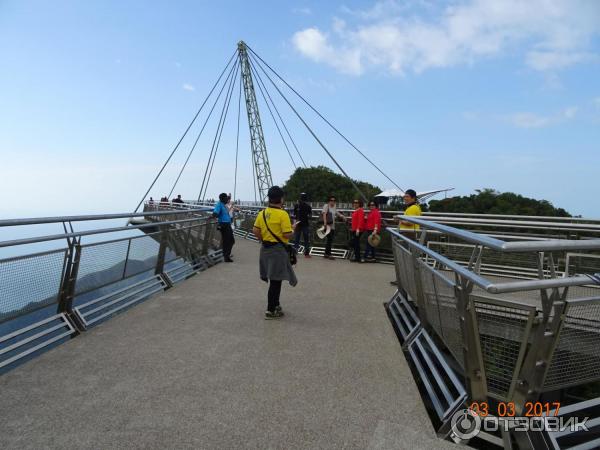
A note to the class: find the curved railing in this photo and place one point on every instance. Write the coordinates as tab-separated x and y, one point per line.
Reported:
57	285
512	338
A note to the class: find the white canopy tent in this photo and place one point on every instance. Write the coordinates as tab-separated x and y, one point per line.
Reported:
422	196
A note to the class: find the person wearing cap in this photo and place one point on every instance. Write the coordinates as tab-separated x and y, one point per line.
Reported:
273	228
358	226
222	214
302	216
329	213
373	227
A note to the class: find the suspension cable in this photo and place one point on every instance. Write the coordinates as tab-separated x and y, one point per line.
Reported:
253	70
217	135
315	136
201	130
322	117
184	135
237	142
220	134
260	81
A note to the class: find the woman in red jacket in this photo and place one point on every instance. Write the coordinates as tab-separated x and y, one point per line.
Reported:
358	226
373	227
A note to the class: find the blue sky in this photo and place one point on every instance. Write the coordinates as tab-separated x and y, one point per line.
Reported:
466	93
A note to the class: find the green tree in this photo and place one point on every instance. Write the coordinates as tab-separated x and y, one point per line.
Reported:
320	182
490	201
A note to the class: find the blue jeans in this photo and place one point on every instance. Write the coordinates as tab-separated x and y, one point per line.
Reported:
303	230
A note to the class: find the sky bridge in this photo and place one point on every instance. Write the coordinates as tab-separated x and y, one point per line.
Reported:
126	330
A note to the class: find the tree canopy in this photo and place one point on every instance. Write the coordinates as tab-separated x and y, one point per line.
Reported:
320	182
490	201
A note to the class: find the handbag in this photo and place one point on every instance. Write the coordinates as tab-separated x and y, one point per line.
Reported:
291	251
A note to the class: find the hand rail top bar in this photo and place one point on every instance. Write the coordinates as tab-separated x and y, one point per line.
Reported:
502	246
56	237
488	286
515	223
83	218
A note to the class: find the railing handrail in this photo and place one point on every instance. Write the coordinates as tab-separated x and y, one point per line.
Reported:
502	246
90	217
56	237
484	283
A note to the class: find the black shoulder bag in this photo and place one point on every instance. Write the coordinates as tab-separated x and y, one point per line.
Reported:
291	251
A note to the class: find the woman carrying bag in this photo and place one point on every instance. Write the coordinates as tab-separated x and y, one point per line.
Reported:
273	228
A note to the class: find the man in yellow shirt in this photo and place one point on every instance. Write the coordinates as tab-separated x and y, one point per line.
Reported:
273	228
412	208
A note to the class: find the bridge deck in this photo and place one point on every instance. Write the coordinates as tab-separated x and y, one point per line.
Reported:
198	367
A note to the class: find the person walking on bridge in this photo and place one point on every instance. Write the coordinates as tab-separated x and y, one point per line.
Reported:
302	216
222	213
273	228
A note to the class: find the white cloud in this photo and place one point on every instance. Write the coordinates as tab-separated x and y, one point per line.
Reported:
532	120
188	87
400	37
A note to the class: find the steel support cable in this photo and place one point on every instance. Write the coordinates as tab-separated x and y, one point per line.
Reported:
184	134
316	138
220	134
260	81
217	133
237	141
201	130
253	70
324	119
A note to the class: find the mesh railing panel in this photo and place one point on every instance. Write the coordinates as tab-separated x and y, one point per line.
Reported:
432	308
30	282
101	264
143	254
450	317
577	354
581	263
503	334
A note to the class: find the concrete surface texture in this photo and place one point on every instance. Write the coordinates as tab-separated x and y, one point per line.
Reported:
199	367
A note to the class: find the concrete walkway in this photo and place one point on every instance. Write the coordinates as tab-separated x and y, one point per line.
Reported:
198	367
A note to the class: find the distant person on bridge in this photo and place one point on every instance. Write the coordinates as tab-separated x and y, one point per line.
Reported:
178	199
411	208
329	214
358	226
273	228
372	227
302	216
222	213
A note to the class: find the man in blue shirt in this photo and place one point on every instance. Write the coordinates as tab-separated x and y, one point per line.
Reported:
221	212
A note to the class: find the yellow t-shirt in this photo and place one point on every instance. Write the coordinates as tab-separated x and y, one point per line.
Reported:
412	210
279	223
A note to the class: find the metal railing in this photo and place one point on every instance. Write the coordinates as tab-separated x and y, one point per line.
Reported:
513	338
93	273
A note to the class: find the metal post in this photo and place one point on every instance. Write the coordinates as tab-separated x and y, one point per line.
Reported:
476	382
257	138
162	250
